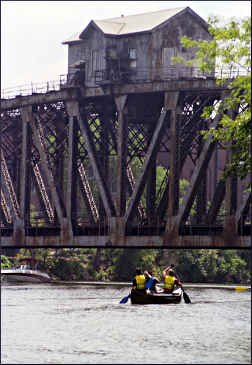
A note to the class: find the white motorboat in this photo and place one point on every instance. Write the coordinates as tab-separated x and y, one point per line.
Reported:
24	274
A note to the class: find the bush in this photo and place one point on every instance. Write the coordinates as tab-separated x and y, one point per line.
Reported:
67	269
5	263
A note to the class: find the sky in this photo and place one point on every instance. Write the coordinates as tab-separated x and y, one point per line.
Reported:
32	32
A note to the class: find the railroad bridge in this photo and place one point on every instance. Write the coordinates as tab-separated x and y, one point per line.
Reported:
118	164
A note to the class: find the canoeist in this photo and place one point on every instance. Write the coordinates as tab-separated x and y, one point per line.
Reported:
139	281
170	281
155	281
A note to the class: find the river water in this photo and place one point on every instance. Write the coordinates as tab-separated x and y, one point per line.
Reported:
73	324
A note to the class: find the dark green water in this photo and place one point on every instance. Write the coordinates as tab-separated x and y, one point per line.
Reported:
64	324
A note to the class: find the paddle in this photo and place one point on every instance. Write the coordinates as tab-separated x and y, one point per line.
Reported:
185	296
147	286
125	299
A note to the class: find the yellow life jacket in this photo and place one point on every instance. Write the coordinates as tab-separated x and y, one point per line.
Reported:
140	280
169	282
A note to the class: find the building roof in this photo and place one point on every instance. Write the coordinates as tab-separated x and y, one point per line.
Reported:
134	23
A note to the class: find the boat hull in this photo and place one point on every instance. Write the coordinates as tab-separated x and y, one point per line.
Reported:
161	298
24	276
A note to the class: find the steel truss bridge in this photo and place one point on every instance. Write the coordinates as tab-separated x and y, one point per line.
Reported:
80	167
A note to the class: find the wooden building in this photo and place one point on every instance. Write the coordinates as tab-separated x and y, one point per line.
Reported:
135	48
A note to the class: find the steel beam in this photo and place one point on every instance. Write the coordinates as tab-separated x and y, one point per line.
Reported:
103	189
138	189
122	140
72	164
243	209
201	165
130	241
65	229
25	176
74	93
218	197
172	104
8	185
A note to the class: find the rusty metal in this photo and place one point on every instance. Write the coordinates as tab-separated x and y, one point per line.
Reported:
6	178
6	209
148	212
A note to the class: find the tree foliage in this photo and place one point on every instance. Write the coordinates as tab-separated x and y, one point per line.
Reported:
228	53
5	262
192	265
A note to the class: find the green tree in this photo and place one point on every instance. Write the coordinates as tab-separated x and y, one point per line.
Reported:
230	50
5	262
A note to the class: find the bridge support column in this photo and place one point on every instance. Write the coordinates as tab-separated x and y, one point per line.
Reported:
230	224
72	112
172	228
117	231
230	229
122	139
104	153
25	178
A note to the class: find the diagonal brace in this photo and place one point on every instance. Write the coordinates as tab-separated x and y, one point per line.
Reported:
104	192
145	168
200	167
48	173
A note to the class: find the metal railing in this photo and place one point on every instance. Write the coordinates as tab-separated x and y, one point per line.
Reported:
165	73
35	88
130	76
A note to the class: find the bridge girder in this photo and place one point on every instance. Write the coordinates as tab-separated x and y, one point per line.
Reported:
81	168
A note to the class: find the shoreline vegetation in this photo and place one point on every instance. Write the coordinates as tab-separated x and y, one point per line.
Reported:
210	266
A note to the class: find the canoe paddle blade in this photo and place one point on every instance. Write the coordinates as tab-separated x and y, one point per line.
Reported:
186	297
125	299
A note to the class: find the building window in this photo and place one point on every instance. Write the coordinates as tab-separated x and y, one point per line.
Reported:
167	54
132	53
133	64
94	60
132	57
97	60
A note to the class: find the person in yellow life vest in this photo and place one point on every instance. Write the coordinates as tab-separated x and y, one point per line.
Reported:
170	281
139	281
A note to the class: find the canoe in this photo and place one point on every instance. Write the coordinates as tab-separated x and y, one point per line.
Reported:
160	298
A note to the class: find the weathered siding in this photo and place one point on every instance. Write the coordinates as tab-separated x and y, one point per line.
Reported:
141	43
91	50
153	52
169	36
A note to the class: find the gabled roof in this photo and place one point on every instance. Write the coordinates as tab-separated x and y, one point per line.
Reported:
73	39
145	22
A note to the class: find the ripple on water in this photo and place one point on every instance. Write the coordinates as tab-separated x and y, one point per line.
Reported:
81	326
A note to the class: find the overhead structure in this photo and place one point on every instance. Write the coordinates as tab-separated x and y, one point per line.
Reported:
114	156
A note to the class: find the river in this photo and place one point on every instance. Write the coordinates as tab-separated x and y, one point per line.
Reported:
85	324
